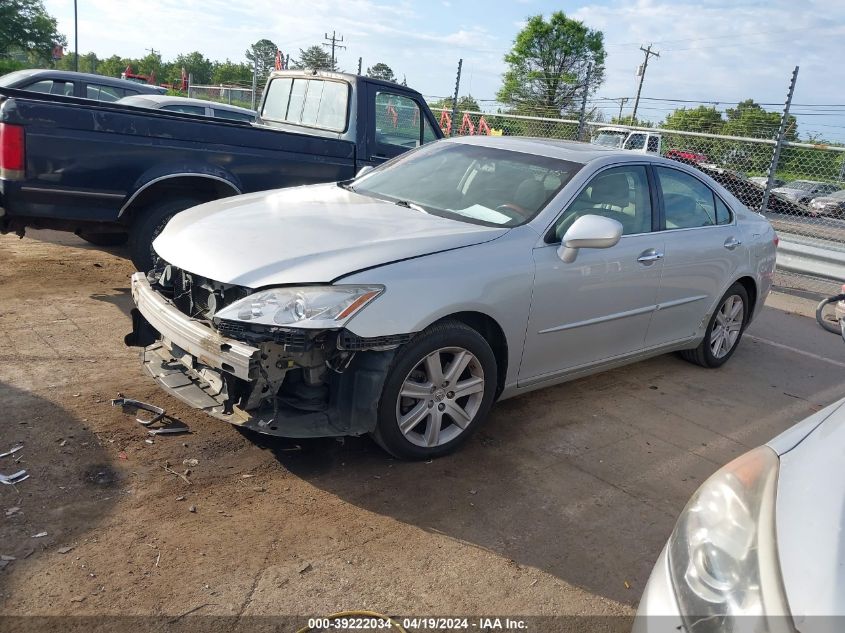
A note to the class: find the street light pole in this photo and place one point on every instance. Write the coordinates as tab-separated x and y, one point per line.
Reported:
75	39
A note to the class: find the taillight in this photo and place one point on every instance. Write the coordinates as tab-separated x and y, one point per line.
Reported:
776	240
12	152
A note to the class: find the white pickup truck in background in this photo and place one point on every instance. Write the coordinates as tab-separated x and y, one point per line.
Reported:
634	140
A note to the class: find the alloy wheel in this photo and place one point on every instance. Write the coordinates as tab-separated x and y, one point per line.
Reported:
440	397
728	326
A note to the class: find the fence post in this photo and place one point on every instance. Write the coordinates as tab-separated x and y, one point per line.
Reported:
784	121
455	99
583	116
254	80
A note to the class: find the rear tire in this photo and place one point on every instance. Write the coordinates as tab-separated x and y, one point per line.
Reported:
724	330
437	393
148	223
105	239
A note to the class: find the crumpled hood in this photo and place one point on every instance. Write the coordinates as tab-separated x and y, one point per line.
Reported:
810	513
792	194
311	234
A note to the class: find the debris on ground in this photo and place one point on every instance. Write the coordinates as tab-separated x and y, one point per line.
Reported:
13	511
14	478
65	550
39	535
192	509
168	425
180	498
190	462
10	452
184	476
305	568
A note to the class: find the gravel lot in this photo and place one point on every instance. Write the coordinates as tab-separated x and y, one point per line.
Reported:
559	505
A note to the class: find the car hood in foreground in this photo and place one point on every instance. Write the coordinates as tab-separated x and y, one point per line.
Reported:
809	515
312	234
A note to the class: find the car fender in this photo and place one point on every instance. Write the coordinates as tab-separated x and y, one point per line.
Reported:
494	278
164	172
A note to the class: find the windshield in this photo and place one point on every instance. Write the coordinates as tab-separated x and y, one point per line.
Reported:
470	183
610	139
802	185
838	195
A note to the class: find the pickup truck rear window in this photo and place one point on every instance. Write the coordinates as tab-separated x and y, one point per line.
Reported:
310	102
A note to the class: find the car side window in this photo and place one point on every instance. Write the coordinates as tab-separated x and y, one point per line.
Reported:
619	193
653	144
723	213
688	202
398	120
107	94
635	141
428	132
51	86
185	109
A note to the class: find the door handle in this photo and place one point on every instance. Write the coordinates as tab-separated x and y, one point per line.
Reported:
649	256
731	243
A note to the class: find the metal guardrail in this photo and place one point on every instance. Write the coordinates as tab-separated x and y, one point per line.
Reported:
802	255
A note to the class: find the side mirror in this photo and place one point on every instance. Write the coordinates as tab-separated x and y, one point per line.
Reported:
588	231
364	170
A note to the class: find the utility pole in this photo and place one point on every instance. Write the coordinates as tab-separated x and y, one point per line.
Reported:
333	43
622	101
582	118
153	51
455	99
360	59
648	53
75	39
254	81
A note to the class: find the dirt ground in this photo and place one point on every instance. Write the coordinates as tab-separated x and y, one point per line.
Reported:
559	505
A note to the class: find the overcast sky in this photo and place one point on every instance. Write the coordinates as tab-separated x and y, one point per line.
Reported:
710	50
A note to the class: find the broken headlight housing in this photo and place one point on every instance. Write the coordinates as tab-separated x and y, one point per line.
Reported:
317	307
723	557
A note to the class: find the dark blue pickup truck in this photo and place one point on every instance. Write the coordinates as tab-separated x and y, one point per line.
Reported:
110	172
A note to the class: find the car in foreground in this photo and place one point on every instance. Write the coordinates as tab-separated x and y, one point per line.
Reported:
72	84
832	205
759	545
404	302
802	191
184	105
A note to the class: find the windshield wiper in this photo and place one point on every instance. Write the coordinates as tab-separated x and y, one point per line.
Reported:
410	205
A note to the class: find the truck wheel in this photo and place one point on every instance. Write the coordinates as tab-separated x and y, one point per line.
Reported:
105	239
148	223
439	390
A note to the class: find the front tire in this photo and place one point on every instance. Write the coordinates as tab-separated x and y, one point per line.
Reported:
147	225
438	392
724	330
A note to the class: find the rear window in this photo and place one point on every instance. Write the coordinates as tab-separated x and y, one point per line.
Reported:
51	86
99	92
185	109
233	116
311	102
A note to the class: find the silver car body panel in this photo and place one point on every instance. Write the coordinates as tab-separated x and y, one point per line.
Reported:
305	235
810	515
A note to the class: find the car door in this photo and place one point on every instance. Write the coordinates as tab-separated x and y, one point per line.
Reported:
400	125
599	306
703	250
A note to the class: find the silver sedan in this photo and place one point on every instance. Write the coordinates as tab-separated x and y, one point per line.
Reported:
405	302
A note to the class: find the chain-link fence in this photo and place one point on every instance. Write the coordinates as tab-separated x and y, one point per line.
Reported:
805	200
236	95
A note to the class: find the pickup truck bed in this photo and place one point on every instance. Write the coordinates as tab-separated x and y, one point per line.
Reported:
106	171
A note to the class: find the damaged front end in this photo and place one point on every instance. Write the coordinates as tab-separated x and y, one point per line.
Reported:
221	348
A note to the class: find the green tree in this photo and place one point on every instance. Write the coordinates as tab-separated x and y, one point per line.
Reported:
381	71
314	57
196	65
467	103
88	63
547	66
700	119
750	119
262	56
26	26
229	72
113	66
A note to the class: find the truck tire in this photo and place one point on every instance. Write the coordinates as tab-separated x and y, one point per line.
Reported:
105	239
148	223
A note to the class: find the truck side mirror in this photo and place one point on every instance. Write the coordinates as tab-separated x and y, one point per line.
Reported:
364	170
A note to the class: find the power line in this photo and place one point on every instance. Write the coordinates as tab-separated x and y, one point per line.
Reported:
648	53
333	42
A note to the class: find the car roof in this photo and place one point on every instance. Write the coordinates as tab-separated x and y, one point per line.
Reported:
573	151
69	75
164	100
351	78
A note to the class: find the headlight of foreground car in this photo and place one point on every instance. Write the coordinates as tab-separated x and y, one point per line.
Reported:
302	306
723	552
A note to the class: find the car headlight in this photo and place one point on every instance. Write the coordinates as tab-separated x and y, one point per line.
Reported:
301	306
723	552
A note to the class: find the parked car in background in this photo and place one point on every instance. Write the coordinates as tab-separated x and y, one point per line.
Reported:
832	204
70	84
404	302
760	181
759	546
802	191
632	140
184	105
687	156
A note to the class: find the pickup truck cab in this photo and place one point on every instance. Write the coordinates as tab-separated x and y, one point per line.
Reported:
111	171
634	140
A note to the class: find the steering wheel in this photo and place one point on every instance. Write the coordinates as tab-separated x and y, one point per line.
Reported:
514	208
